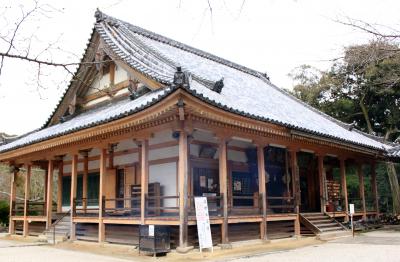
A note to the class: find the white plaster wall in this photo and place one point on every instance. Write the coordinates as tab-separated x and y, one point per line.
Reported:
120	74
126	144
161	137
194	150
166	175
161	153
126	159
99	83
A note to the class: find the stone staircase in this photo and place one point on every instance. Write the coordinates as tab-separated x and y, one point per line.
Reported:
59	230
323	226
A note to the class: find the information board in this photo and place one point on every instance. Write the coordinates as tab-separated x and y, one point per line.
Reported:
203	223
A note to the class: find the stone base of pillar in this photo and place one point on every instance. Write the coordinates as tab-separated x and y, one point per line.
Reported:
184	250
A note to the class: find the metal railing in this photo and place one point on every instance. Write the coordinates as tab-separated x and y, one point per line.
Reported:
54	225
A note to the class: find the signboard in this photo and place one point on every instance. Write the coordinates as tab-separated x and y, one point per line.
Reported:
151	230
203	223
351	207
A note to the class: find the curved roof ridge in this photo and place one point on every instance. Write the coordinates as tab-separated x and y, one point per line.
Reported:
100	16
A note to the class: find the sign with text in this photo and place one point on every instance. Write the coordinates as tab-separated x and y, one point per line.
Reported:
203	223
351	207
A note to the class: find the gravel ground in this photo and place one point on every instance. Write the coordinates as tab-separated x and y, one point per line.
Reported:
372	246
383	245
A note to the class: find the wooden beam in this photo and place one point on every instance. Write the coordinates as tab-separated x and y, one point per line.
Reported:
26	200
344	187
13	196
183	189
85	180
74	181
374	188
321	176
296	189
144	180
362	188
60	186
49	193
223	177
262	190
103	170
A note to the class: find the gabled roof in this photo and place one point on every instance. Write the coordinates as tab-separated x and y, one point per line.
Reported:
246	92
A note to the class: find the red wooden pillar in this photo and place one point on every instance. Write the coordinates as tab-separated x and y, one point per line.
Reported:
26	201
223	181
262	190
183	190
49	193
321	176
74	181
144	180
296	190
374	188
11	227
344	187
362	189
103	170
60	186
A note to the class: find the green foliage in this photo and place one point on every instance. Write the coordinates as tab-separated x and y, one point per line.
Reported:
4	212
363	88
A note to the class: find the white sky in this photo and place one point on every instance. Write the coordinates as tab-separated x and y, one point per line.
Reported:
268	35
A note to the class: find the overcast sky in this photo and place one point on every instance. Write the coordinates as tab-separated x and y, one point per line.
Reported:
268	35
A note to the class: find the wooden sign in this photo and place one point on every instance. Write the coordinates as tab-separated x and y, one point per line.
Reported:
203	223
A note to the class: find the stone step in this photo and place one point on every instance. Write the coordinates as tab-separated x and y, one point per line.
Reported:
323	225
323	221
329	229
312	218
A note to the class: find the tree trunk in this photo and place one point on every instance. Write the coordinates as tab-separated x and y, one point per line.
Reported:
394	185
365	114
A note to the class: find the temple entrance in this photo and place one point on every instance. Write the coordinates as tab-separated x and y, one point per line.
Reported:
309	183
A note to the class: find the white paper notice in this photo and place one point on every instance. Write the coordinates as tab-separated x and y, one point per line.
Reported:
151	230
203	222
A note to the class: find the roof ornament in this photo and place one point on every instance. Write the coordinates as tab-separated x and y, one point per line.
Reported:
218	86
99	16
181	78
265	75
352	125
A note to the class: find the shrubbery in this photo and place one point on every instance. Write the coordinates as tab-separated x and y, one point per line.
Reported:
4	212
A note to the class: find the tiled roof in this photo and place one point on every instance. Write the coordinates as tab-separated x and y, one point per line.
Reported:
246	92
394	152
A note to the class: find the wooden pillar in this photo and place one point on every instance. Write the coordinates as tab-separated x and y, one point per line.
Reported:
49	193
144	179
13	196
85	179
344	187
321	182
183	190
296	190
374	188
223	177
362	188
26	200
103	170
262	190
60	186
74	181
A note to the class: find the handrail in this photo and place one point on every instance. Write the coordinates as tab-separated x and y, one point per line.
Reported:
56	223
